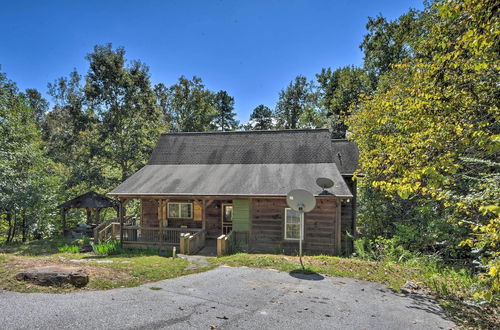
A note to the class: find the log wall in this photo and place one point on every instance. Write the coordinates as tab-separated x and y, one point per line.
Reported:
149	216
268	225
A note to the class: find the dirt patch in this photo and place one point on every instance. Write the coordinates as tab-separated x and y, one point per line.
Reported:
96	273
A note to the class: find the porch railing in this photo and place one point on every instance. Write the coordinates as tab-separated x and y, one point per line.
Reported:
108	229
192	243
224	243
154	235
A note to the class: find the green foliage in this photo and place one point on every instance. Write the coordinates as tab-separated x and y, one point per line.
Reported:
85	240
105	249
390	42
69	249
339	90
27	182
191	105
224	106
297	105
262	118
123	99
441	107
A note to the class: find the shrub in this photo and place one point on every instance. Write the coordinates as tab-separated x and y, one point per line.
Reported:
69	248
105	249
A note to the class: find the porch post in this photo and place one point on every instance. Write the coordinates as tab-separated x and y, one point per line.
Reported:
160	221
203	215
121	212
98	216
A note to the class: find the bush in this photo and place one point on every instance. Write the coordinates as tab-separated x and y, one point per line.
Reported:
69	248
105	249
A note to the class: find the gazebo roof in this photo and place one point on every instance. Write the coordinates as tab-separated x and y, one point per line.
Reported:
90	200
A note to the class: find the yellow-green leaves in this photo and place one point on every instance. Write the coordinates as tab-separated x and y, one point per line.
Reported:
433	129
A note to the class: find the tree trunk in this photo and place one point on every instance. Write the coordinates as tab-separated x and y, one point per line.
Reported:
9	229
24	229
14	227
124	168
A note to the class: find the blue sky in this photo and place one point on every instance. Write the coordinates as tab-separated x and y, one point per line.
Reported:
252	49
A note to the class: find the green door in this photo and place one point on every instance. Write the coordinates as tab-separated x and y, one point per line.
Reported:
241	214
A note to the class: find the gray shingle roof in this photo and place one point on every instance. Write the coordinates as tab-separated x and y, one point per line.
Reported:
230	180
346	156
262	163
90	199
244	147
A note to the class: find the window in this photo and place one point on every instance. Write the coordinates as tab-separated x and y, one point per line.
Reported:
292	224
227	213
180	210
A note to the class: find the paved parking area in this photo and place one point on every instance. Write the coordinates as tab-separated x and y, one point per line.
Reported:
227	298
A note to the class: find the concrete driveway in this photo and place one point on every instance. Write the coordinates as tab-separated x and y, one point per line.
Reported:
227	298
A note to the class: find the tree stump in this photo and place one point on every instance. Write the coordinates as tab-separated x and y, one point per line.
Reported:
55	276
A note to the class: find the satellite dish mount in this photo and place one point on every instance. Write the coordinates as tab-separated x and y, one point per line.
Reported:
302	201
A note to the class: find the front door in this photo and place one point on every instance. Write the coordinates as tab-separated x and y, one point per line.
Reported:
227	218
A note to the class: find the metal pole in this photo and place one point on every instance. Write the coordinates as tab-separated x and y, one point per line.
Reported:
301	237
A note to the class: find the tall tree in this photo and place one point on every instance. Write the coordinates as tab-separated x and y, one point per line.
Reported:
224	107
162	100
191	106
297	106
261	118
390	42
37	103
436	132
125	102
339	90
25	189
70	131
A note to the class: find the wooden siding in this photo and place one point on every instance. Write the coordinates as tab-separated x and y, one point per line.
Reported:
149	213
149	216
267	227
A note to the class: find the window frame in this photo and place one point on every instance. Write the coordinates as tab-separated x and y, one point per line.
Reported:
179	205
285	226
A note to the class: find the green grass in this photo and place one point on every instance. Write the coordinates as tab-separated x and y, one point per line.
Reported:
121	268
105	249
37	248
69	248
392	275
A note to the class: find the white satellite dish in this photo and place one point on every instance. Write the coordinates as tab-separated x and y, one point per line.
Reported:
302	201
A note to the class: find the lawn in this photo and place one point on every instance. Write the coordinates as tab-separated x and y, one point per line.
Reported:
126	268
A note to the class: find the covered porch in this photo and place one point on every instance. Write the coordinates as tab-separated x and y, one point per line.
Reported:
180	221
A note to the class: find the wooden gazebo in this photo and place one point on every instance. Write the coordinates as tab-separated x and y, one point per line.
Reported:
90	201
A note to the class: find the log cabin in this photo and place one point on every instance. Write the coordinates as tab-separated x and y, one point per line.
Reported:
198	187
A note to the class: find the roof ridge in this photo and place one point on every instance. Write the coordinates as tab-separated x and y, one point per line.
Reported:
250	131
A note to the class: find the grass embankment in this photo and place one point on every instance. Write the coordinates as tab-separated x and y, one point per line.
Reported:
125	268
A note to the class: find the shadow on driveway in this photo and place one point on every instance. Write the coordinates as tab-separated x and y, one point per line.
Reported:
305	274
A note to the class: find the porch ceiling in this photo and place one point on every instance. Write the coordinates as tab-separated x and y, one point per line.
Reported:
231	180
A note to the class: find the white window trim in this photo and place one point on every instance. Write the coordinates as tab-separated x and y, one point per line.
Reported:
286	238
178	204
